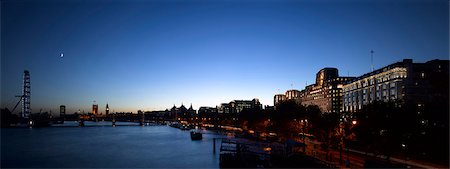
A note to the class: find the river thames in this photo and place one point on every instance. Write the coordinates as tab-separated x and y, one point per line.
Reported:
106	147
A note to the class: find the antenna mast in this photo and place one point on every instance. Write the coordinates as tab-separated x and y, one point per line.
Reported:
371	58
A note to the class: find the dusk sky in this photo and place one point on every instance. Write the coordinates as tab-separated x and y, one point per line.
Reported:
150	55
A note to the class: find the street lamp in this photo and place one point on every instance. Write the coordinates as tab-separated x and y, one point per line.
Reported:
404	146
341	142
304	123
354	122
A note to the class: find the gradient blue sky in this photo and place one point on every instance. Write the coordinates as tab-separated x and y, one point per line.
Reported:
150	55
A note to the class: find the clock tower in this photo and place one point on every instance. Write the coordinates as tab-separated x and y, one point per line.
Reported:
107	109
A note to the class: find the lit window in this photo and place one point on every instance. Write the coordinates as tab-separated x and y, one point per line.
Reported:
422	75
392	84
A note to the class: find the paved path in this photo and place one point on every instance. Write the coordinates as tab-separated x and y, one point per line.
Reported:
357	158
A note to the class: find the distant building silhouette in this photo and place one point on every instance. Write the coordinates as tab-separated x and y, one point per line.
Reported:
62	111
7	118
207	113
227	111
182	113
173	112
191	111
270	108
159	115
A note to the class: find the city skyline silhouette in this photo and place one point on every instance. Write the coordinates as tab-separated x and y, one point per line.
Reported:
150	55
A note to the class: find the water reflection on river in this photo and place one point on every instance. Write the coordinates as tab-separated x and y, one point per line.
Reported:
122	147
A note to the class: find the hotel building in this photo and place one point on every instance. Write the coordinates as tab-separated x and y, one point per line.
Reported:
401	81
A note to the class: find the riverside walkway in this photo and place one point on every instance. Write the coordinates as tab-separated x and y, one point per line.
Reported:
358	159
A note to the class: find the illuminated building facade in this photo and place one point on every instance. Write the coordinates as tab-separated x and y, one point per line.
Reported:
224	108
277	99
326	74
292	94
401	81
94	109
236	106
326	93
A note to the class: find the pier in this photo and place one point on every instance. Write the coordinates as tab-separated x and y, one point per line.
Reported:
243	153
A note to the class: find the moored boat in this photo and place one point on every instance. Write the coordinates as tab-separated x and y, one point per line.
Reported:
185	127
196	135
175	125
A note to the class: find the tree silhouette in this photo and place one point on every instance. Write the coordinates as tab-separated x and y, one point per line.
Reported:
284	118
383	126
